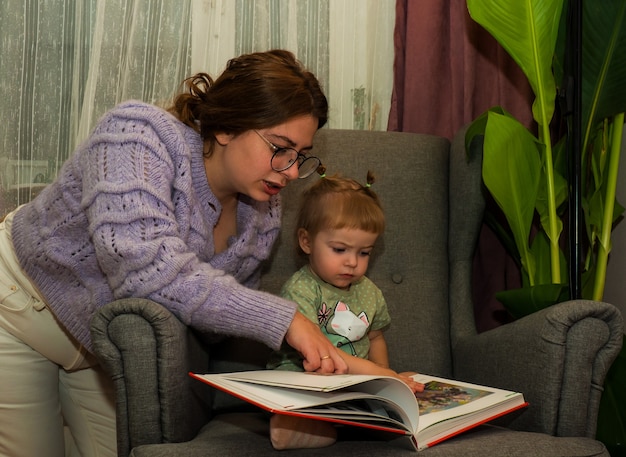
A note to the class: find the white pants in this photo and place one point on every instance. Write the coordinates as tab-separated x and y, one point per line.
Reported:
47	379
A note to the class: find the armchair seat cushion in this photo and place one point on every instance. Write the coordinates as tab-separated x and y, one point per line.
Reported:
246	434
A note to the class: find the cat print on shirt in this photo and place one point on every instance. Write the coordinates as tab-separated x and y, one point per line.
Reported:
346	326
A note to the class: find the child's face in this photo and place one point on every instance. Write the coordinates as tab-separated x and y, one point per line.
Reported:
340	257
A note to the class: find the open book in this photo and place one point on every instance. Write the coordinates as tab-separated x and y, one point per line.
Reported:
445	408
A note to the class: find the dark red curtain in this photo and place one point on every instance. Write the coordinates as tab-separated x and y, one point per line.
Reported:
447	71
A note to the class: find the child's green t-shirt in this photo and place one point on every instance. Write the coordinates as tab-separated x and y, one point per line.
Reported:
344	316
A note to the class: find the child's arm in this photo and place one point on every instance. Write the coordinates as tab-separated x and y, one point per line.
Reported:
378	348
378	362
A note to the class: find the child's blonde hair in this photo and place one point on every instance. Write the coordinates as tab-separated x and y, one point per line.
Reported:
337	202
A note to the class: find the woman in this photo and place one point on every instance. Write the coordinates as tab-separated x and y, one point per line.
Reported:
177	206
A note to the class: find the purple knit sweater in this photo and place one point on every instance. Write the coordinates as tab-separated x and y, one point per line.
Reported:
131	214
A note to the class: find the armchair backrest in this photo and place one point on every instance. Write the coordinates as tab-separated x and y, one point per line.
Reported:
411	261
433	206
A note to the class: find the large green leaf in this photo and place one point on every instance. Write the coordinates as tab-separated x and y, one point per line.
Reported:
527	300
603	102
604	62
527	29
560	196
540	249
561	163
511	172
603	96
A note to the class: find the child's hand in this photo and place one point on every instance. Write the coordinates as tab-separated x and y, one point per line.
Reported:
415	386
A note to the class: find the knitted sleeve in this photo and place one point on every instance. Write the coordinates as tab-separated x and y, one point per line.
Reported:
304	291
139	200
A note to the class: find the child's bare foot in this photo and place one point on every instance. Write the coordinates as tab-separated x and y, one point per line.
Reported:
288	432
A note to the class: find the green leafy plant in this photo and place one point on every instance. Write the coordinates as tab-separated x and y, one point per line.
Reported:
526	173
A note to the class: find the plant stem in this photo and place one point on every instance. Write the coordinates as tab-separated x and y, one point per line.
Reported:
553	229
604	246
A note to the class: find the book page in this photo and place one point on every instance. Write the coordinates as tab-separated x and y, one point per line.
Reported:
281	398
327	395
446	407
441	396
373	411
300	380
444	399
396	392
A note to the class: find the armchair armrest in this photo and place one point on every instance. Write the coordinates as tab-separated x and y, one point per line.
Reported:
145	350
558	358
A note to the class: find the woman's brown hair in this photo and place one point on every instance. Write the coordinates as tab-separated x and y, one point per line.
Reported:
255	91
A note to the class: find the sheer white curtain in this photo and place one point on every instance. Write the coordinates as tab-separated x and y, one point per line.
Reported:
139	49
63	63
347	43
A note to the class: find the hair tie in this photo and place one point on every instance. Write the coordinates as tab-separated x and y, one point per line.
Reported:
321	170
370	179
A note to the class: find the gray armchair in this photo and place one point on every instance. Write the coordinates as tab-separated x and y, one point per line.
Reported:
433	201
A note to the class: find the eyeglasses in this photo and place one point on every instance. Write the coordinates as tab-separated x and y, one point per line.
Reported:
283	158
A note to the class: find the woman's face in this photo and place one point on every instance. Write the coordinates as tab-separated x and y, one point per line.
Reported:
242	164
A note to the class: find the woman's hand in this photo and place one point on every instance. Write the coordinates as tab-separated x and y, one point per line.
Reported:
319	354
